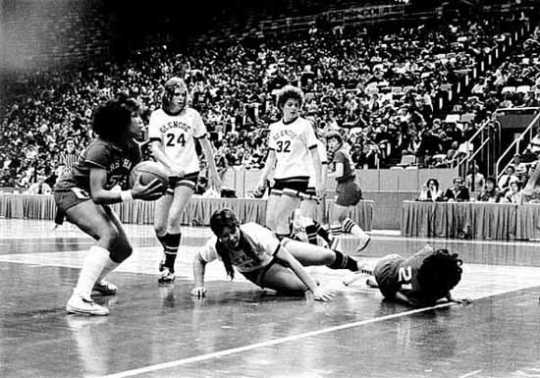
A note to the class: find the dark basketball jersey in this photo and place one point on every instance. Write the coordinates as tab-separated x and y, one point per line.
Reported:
116	160
342	156
394	273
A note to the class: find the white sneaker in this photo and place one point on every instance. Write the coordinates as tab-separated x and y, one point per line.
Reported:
105	288
166	276
84	306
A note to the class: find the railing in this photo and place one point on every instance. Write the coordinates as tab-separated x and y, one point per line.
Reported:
489	140
517	142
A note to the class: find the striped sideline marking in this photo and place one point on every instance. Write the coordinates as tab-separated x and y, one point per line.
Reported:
227	352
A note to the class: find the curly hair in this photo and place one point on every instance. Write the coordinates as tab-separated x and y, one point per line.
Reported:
112	119
289	92
226	218
439	273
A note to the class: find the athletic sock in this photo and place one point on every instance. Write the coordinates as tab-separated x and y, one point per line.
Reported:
352	228
344	261
93	265
108	268
311	232
172	241
321	231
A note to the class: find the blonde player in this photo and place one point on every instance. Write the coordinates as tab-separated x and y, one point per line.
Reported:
293	151
172	131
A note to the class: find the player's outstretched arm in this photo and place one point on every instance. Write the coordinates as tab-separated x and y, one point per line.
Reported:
199	267
212	169
403	298
318	293
316	161
101	195
463	301
268	167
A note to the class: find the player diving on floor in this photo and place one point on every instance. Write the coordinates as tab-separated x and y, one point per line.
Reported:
263	259
424	279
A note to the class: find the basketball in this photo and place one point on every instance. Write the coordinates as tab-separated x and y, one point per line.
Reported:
146	171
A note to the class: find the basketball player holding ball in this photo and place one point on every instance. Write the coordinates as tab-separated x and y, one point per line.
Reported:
85	192
172	131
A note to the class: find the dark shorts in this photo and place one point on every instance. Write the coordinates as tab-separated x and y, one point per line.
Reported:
190	180
292	187
257	276
348	193
67	198
386	275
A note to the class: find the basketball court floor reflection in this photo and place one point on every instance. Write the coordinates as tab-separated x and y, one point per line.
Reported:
242	331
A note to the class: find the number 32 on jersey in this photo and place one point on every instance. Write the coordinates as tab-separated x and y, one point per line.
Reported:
283	146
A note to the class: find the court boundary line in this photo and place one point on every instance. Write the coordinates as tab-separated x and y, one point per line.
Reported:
231	351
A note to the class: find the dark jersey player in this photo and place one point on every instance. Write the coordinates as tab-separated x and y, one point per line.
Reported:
348	192
422	279
98	179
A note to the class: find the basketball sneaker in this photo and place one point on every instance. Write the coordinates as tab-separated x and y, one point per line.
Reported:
167	275
84	306
105	288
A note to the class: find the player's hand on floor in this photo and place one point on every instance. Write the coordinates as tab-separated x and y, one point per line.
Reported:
199	292
322	295
151	191
462	301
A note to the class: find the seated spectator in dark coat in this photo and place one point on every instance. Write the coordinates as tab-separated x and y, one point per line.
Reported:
457	192
490	192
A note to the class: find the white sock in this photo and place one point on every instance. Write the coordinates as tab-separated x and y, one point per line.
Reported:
350	227
109	267
96	259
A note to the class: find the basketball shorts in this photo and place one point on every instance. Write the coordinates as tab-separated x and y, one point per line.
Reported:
386	275
348	193
66	199
257	276
292	187
189	180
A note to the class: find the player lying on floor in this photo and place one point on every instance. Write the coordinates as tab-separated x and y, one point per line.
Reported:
259	255
422	279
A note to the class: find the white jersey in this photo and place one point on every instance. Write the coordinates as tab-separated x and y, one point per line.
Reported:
292	143
324	160
176	134
266	246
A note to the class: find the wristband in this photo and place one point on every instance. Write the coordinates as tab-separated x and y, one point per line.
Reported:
126	195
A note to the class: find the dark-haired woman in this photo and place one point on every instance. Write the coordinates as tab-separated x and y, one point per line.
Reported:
292	154
422	279
263	259
85	192
348	193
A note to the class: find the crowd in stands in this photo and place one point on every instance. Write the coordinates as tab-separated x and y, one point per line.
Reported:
513	83
377	89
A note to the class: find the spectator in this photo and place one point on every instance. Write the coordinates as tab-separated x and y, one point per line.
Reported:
430	191
508	175
490	192
513	195
39	187
474	180
458	192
